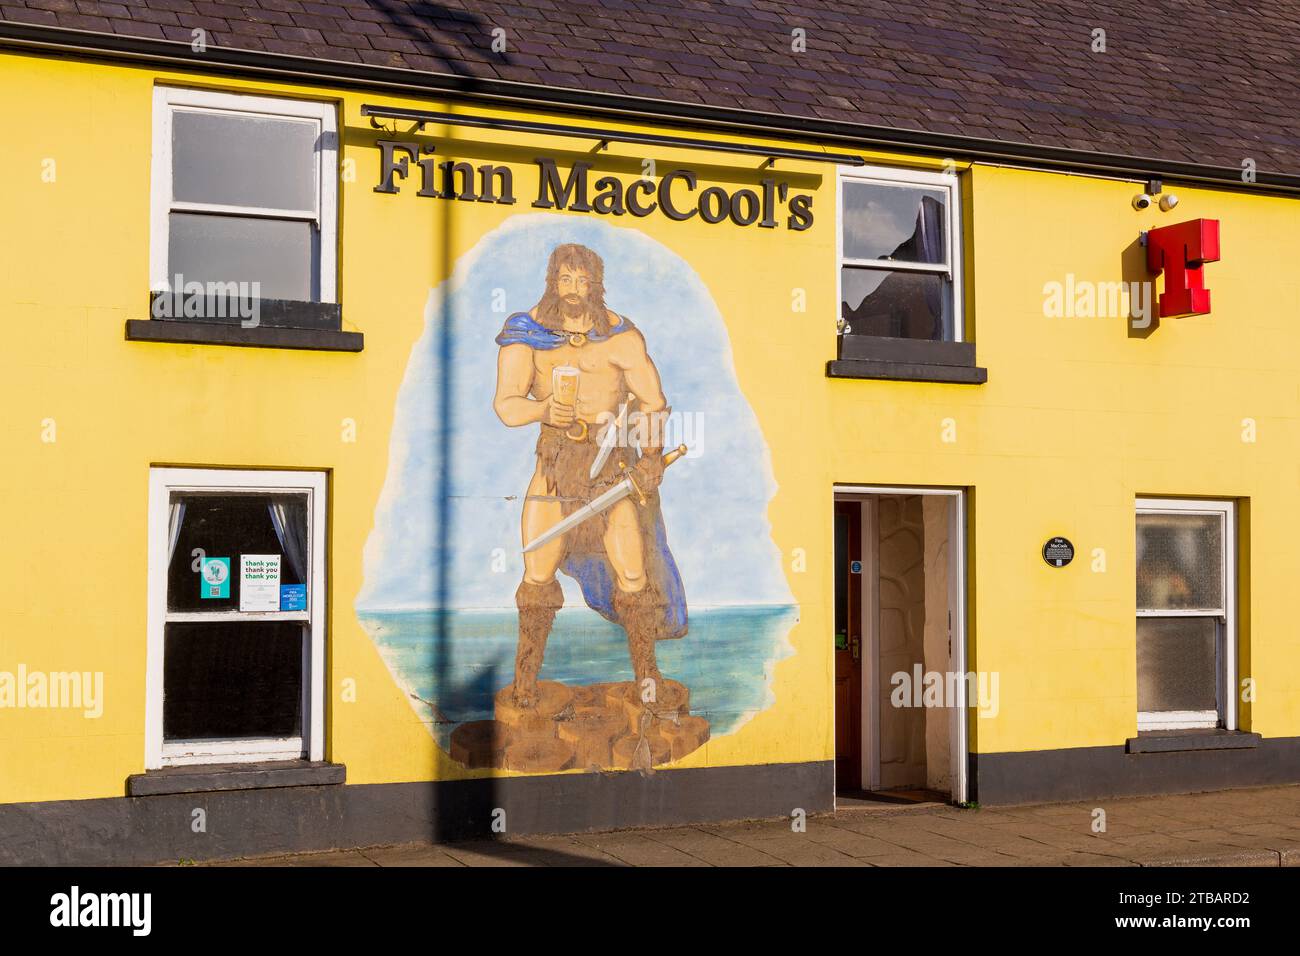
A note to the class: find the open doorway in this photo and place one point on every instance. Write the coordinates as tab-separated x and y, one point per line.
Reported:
900	654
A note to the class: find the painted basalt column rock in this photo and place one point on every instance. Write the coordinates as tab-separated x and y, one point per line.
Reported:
588	727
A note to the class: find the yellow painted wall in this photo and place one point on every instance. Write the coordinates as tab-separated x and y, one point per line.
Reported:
1075	420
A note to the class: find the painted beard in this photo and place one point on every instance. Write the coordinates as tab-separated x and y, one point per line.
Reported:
573	306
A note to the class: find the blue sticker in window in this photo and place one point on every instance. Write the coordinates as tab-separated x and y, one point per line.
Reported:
293	597
215	578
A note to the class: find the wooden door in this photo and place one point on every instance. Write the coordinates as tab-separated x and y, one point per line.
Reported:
848	645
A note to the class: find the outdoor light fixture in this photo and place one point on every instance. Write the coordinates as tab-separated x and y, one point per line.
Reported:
1155	188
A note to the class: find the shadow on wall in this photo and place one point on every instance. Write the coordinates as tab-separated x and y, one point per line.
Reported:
1133	269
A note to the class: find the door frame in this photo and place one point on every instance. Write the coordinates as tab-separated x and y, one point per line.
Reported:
959	743
868	658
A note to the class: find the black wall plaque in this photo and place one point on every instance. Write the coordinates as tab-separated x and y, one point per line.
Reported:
1058	552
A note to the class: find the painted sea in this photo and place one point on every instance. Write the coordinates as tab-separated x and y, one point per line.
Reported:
452	663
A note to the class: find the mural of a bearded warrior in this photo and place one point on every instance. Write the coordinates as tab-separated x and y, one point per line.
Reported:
579	418
592	509
584	374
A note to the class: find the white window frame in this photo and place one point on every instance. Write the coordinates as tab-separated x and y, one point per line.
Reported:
164	481
893	176
167	100
1226	650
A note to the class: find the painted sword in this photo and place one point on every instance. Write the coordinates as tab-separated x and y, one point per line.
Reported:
609	440
594	507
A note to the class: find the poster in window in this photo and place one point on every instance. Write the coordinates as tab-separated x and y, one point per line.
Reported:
259	582
293	597
216	578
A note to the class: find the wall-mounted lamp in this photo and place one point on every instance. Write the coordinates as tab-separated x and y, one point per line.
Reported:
1155	188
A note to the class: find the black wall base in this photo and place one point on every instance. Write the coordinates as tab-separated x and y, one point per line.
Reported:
1089	773
154	829
295	819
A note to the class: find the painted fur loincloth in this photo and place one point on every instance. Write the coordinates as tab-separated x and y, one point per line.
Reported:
566	464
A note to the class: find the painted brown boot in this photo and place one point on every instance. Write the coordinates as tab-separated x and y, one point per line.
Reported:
639	615
537	605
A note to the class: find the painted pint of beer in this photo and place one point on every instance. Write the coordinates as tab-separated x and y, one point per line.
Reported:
564	385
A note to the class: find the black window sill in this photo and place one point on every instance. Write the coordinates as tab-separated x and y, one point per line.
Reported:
1179	741
235	776
262	336
217	320
906	360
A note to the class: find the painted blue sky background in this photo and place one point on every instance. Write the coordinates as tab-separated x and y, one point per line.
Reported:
457	475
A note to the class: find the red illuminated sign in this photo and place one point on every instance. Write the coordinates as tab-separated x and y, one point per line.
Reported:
1180	252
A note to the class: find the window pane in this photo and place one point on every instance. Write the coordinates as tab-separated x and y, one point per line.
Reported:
1176	660
1179	562
278	254
225	526
244	160
232	679
907	305
905	223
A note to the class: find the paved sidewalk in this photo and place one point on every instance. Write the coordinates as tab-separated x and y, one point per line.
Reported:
1235	828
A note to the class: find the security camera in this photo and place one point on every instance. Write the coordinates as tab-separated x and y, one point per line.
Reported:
1142	201
1168	201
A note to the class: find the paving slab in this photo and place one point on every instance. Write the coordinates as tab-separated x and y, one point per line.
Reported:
1079	838
1270	829
488	853
988	837
1084	858
851	843
332	858
549	851
411	854
909	859
1209	855
973	856
636	849
808	853
818	846
923	841
712	848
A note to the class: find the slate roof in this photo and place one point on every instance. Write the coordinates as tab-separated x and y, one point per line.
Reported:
1181	80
